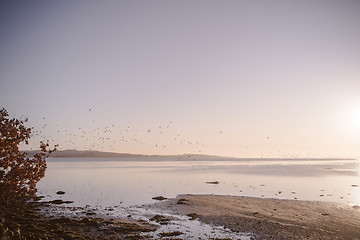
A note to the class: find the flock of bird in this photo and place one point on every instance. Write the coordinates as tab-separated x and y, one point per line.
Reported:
111	137
115	138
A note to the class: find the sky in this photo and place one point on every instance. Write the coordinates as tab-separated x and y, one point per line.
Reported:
231	78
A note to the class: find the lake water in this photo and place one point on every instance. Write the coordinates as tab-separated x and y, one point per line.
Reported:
126	184
135	181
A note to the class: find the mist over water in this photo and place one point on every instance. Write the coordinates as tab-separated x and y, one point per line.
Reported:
130	182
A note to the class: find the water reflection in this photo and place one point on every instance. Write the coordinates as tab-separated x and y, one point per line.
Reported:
105	183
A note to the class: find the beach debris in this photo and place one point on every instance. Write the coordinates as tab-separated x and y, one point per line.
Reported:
170	234
160	219
325	214
182	201
214	182
356	207
60	192
193	216
355	185
159	198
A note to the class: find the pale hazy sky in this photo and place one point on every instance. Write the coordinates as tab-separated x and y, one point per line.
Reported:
235	78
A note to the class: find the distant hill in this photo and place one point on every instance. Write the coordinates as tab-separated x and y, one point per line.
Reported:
98	154
91	154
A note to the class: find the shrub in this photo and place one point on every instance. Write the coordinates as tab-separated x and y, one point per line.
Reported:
19	173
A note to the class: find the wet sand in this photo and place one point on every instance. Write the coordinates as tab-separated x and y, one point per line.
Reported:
270	218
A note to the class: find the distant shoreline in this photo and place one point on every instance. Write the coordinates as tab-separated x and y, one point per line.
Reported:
99	154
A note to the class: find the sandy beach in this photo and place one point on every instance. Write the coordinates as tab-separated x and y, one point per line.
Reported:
270	218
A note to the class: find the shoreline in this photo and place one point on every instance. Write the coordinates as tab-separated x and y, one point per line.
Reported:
257	218
23	220
270	218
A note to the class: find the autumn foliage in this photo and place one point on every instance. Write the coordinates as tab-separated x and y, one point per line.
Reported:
18	172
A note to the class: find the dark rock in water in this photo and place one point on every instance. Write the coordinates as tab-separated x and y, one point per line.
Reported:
170	234
160	198
160	219
182	201
192	216
59	201
60	192
214	182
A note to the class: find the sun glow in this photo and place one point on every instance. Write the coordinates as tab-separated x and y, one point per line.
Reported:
353	120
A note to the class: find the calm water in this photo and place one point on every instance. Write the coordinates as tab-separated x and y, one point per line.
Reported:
109	182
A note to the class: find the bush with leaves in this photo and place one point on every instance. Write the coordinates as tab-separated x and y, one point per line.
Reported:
19	173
